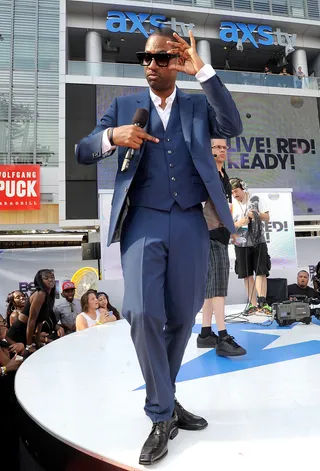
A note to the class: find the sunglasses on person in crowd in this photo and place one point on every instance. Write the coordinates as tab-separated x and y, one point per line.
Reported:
162	58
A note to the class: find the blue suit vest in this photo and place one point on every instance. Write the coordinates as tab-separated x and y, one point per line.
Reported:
166	172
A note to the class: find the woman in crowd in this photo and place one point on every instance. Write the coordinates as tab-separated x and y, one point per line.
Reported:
9	363
37	310
91	314
8	351
104	303
15	304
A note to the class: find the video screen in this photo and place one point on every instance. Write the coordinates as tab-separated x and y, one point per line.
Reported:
279	146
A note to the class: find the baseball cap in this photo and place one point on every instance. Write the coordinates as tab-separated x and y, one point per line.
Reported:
68	285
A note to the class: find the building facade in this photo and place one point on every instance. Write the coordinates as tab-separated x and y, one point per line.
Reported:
62	62
29	101
239	38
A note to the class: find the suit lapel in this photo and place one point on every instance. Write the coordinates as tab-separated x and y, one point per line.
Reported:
186	115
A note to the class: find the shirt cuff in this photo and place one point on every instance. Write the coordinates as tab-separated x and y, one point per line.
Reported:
106	146
206	73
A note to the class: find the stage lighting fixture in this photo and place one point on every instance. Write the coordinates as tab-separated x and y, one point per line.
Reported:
282	62
109	47
239	45
289	49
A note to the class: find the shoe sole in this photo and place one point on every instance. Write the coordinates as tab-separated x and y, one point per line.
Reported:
205	346
174	432
149	463
230	354
192	429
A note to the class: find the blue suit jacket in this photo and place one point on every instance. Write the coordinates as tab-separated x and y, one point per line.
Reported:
202	118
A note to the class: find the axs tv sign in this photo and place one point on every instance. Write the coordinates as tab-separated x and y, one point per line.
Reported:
130	22
263	34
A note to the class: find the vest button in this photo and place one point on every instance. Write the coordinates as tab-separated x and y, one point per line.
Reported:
171	165
169	152
175	194
173	179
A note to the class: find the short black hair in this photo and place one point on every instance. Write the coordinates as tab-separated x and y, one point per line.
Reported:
165	33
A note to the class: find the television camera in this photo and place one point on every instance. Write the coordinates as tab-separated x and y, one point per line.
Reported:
296	309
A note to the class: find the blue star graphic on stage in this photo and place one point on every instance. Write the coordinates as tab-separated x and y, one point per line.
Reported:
265	345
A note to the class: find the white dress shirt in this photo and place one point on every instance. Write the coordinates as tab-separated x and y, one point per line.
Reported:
204	74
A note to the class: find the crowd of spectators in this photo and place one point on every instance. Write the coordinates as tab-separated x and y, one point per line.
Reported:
297	76
32	322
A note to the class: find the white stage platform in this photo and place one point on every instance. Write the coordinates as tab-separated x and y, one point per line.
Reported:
263	409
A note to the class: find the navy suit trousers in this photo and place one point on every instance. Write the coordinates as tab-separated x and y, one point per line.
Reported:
164	260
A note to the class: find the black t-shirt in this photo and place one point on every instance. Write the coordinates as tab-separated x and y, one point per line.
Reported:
308	291
221	233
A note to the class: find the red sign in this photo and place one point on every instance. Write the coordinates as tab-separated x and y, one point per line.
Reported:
19	187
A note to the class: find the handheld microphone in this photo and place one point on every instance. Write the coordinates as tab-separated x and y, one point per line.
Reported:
140	119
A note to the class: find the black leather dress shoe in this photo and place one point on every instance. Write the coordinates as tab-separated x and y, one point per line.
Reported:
156	445
188	421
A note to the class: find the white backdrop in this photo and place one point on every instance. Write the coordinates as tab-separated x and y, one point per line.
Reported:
280	236
279	231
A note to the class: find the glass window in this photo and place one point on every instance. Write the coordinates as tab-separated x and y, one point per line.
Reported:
297	9
33	128
280	7
261	6
313	9
223	4
244	5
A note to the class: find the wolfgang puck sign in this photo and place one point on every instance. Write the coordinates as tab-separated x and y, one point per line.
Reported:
19	187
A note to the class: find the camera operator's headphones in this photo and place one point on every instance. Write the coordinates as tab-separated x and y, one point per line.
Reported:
238	183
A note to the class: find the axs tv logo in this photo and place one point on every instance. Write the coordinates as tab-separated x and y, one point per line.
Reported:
263	34
130	22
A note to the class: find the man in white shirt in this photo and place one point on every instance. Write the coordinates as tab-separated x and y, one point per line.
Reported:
157	214
67	311
248	212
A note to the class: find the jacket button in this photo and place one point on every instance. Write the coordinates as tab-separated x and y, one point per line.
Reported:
175	194
171	165
169	152
173	179
125	190
168	140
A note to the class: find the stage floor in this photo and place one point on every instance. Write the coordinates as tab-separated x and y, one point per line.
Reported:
263	409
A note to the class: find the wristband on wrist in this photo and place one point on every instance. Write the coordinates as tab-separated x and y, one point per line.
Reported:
30	346
110	135
3	370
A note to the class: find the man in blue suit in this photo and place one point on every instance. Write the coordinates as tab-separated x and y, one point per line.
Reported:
157	215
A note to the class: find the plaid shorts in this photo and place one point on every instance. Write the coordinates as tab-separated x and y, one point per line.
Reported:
218	270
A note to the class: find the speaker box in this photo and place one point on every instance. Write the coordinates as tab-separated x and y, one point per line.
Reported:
277	290
91	251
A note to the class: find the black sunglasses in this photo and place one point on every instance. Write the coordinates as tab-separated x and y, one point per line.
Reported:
162	58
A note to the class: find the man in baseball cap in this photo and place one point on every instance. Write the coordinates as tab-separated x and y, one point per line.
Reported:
67	311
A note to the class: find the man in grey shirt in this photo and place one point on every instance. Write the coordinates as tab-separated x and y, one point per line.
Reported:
67	311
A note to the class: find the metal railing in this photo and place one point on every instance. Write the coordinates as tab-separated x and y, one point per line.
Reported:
108	69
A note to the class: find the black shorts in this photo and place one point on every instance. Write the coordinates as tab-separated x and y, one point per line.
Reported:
251	260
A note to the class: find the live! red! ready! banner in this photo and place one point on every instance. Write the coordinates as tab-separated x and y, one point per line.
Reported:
19	187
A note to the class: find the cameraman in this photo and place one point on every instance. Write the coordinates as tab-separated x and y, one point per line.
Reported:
301	288
249	211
